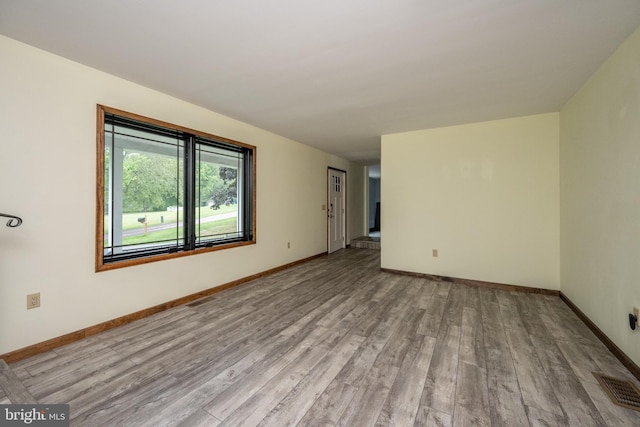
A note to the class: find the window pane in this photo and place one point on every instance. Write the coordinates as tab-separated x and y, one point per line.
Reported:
218	212
144	196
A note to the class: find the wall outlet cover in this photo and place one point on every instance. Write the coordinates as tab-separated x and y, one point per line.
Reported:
33	300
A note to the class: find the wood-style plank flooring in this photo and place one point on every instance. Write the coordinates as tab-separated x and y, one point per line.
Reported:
336	342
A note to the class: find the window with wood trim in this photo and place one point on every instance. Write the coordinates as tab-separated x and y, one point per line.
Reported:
166	191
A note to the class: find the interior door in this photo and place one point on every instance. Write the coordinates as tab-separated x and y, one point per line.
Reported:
336	209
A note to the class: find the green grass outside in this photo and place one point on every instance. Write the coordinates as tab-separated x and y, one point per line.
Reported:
223	226
130	220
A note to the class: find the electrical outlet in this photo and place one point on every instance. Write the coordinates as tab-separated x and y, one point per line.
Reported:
636	312
33	301
434	253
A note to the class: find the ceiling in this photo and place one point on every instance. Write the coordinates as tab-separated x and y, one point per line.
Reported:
337	74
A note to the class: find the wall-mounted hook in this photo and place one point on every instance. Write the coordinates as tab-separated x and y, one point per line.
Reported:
14	221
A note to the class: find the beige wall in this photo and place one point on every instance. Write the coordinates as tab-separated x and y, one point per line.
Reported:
485	195
600	196
47	176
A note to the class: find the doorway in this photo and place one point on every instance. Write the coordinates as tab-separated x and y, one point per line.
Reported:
373	201
336	209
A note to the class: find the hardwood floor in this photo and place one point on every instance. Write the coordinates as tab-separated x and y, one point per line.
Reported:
336	342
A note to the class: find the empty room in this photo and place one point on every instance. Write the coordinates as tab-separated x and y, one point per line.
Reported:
338	213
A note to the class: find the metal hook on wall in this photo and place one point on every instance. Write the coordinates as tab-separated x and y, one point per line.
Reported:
14	221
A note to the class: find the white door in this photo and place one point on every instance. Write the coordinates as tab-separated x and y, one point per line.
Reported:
336	209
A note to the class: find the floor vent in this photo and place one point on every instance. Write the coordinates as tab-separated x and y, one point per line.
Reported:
621	392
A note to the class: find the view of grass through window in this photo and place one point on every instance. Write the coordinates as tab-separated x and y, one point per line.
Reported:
169	190
152	193
161	225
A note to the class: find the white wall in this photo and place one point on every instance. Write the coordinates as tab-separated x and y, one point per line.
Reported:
485	195
600	196
47	176
356	203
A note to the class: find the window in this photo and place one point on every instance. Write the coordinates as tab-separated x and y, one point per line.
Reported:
166	191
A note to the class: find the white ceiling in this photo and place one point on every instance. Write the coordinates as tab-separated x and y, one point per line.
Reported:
337	74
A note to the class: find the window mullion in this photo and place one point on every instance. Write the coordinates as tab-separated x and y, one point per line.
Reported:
247	191
189	212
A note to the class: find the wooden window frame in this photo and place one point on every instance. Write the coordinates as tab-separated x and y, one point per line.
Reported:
100	264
